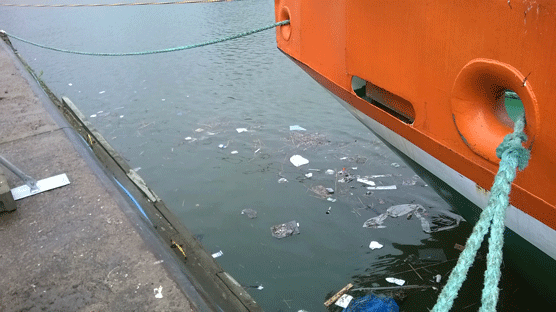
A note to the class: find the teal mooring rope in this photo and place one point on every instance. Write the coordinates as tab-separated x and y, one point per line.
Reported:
513	155
197	45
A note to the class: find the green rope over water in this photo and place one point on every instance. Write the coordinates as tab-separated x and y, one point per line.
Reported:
197	45
513	155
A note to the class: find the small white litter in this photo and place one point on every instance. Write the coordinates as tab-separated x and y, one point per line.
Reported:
438	278
217	254
222	146
199	130
282	180
240	130
158	292
298	160
329	171
101	92
343	158
69	84
396	281
93	115
375	245
121	116
365	181
308	175
260	287
163	100
233	152
297	128
378	188
344	301
330	199
188	138
395	165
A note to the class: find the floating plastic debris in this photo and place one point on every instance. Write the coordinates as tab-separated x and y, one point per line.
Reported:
375	245
158	292
285	229
251	214
101	92
438	278
217	254
373	303
282	180
70	84
396	281
233	152
330	199
343	158
297	128
199	130
121	116
163	100
379	188
210	133
93	115
188	138
240	130
344	301
376	222
395	165
222	146
298	160
308	175
330	190
329	171
365	181
320	191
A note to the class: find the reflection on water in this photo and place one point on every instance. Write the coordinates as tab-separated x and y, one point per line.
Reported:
169	113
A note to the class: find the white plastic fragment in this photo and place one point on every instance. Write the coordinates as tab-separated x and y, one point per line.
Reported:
438	278
260	287
233	152
298	160
329	171
222	146
330	199
343	158
70	84
365	181
188	138
101	92
93	115
375	245
378	188
308	175
396	281
163	100
217	254
158	292
158	262
297	128
199	130
395	165
344	301
282	180
240	130
121	116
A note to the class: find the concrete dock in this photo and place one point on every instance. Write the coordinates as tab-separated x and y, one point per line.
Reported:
86	246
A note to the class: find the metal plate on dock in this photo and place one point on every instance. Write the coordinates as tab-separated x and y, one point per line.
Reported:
42	185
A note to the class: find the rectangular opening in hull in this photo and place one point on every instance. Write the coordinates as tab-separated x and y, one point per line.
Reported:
383	99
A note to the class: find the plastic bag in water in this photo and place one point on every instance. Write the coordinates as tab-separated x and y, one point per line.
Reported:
372	303
285	229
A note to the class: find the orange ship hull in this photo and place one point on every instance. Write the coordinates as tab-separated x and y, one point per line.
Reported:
430	77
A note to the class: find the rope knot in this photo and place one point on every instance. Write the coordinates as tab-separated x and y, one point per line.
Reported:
512	145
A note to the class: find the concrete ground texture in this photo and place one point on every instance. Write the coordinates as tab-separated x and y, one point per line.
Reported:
77	247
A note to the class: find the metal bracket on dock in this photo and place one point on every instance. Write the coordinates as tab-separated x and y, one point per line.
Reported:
31	186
